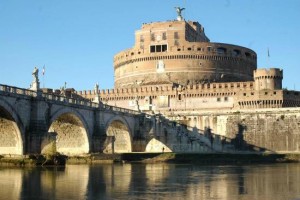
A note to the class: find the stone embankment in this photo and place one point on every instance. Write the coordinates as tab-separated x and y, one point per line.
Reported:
193	158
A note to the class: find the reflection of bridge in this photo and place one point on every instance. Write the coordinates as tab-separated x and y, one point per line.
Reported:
36	122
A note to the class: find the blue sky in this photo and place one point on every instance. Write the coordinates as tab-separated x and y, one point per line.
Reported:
77	39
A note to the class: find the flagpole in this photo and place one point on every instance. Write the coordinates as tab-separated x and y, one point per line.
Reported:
44	76
268	58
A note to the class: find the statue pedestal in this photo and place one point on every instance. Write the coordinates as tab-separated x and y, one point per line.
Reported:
35	85
179	18
97	99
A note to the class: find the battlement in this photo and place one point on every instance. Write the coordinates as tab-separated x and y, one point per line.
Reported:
209	88
268	73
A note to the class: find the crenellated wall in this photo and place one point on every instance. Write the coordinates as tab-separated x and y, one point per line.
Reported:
235	95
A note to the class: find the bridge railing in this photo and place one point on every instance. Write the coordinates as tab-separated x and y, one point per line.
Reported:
88	103
16	90
118	109
64	99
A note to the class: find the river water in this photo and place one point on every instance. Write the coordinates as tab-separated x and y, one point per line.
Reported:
152	181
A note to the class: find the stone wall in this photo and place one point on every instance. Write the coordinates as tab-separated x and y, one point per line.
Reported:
275	130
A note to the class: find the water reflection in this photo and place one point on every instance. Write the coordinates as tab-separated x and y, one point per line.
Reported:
10	183
152	181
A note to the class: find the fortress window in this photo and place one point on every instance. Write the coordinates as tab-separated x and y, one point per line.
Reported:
158	48
247	54
225	98
152	49
208	48
218	99
179	97
141	38
221	50
189	49
164	36
152	37
176	36
236	52
164	47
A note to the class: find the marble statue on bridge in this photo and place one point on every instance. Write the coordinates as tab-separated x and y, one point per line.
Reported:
35	85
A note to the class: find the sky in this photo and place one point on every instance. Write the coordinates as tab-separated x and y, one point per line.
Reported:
76	39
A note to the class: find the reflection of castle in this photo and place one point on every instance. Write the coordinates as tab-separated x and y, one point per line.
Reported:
174	68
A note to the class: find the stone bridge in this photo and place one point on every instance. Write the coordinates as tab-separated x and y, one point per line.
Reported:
39	123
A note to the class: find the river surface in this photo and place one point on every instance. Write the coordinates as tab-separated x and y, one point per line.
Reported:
152	181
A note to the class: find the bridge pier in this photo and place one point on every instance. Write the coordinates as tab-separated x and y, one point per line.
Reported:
99	136
37	127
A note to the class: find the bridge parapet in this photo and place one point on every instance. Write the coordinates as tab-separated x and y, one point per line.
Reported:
118	109
64	99
16	90
68	100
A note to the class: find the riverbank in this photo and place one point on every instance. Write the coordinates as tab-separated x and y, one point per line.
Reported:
216	158
192	158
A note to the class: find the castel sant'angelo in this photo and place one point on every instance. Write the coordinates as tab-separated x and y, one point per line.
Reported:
174	70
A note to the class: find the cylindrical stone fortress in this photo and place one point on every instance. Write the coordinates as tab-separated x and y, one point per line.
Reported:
179	52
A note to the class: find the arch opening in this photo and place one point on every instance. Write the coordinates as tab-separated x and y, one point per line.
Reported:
155	145
66	135
10	135
118	138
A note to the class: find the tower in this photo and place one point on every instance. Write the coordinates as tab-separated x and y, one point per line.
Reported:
268	79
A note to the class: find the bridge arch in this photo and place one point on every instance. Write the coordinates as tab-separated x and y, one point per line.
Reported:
119	136
11	131
69	133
